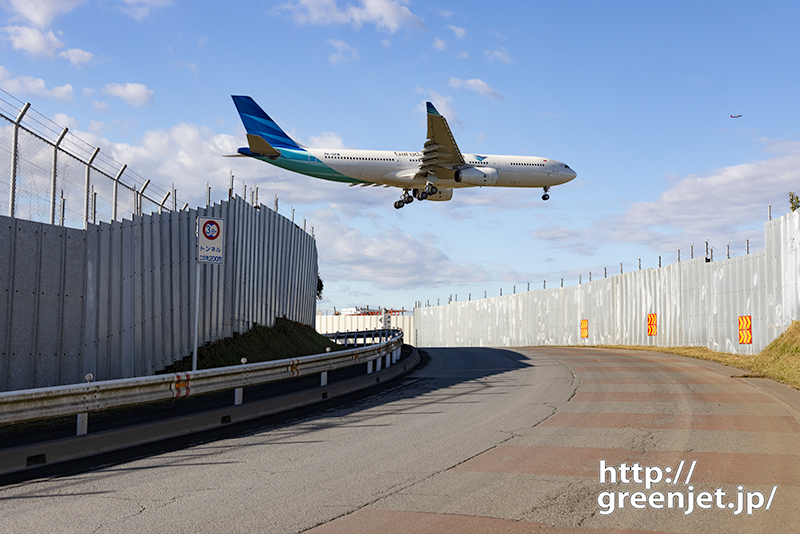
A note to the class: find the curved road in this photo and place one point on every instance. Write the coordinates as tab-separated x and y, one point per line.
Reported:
475	441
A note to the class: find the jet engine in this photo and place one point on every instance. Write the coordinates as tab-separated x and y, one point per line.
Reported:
477	175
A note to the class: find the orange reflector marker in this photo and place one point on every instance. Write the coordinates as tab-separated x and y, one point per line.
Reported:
584	328
745	330
180	385
652	324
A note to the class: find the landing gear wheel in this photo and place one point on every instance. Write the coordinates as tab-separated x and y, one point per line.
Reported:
432	190
422	195
399	204
408	199
545	197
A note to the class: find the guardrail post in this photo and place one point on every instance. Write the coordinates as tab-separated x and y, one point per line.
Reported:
388	359
238	396
369	367
323	378
83	424
378	363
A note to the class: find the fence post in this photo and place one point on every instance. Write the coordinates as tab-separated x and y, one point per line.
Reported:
14	157
140	196
116	186
86	188
53	177
161	205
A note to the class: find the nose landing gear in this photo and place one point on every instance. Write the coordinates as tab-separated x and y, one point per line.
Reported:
546	190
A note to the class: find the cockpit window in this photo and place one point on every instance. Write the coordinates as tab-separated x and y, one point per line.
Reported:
567	166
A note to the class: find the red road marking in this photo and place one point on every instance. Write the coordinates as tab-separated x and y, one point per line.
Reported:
708	379
754	423
370	521
642	396
646	368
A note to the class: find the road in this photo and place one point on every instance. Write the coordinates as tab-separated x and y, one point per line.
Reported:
475	441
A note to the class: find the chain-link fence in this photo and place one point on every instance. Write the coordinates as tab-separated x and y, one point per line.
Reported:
49	175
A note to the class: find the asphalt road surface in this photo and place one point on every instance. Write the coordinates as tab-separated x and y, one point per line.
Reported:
476	441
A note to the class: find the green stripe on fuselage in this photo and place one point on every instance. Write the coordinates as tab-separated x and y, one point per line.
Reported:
306	163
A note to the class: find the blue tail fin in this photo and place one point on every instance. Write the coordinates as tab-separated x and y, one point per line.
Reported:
258	123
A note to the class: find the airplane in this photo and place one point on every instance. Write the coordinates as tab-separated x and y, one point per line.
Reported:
428	174
735	116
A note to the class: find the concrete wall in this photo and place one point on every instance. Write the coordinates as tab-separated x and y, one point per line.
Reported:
116	300
695	302
328	324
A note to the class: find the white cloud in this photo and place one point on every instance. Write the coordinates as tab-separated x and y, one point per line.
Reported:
135	94
386	43
463	55
460	32
389	15
444	105
140	9
727	205
477	85
28	85
349	255
326	140
77	56
344	52
101	107
41	12
33	41
97	127
65	121
499	55
439	44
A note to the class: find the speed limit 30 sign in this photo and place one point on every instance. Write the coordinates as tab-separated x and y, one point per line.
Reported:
210	241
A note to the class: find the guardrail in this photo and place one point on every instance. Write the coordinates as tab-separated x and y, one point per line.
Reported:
81	399
344	338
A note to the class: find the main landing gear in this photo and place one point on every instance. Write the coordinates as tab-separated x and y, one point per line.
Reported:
407	199
546	190
419	194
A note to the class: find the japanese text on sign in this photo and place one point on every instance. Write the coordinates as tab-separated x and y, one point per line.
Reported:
210	243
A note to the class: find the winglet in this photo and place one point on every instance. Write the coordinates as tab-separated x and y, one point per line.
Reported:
258	124
431	109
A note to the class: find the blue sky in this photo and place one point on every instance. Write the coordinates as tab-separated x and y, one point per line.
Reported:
635	96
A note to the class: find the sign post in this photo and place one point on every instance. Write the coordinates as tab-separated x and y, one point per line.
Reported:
210	249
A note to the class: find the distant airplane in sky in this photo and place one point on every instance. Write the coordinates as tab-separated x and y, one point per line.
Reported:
431	173
735	116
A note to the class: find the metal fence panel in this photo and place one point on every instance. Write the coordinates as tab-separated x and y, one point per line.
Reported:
695	303
7	233
48	306
73	307
22	331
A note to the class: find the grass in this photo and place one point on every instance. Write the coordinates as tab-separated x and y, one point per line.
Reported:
780	360
287	339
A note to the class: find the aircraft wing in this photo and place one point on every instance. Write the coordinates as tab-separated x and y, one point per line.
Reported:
440	155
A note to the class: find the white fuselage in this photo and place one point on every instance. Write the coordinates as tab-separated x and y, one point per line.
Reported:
399	169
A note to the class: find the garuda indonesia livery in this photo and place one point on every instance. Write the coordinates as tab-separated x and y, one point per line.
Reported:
431	173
